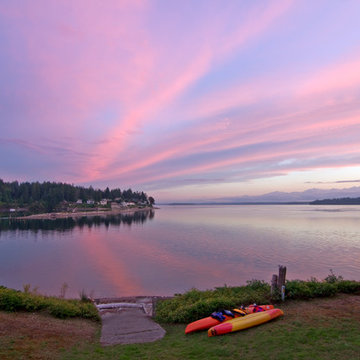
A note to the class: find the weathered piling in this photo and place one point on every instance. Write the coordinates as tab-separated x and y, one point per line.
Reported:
282	276
274	281
278	282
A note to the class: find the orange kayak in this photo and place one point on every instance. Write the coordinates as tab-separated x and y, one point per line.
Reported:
244	322
210	321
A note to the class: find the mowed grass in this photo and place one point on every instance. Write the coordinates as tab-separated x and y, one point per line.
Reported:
41	336
326	328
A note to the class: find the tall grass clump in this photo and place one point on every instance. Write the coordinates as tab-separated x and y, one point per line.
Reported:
14	300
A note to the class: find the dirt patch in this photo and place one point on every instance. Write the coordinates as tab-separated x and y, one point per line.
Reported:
344	306
38	336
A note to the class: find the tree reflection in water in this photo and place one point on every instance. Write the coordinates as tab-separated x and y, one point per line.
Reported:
67	224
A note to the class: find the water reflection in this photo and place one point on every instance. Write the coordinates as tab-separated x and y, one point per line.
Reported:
183	247
68	224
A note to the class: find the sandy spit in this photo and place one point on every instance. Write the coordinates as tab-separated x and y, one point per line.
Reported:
60	215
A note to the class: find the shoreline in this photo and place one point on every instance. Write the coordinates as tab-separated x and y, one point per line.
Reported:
62	215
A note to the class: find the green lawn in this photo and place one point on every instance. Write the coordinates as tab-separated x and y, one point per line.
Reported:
317	329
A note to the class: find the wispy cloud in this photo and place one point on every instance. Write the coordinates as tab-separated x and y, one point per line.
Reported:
158	94
333	182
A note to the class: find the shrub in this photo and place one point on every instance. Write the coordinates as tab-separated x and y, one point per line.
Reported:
62	309
10	300
332	278
13	300
348	286
196	304
297	289
321	289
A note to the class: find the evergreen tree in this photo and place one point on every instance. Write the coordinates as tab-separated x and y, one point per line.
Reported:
50	195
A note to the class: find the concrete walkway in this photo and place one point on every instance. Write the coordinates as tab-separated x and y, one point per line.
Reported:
128	323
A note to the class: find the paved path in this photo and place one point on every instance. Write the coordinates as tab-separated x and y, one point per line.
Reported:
129	325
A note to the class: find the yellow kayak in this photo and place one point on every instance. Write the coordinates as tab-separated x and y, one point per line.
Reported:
210	321
245	322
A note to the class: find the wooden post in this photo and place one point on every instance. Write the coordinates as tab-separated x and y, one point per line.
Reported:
281	281
274	281
282	277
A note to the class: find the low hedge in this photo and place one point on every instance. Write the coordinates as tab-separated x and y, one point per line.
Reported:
196	304
14	300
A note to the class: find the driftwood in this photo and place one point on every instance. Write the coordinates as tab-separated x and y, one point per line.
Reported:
119	305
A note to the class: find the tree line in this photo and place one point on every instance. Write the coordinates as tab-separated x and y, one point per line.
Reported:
69	223
48	195
340	201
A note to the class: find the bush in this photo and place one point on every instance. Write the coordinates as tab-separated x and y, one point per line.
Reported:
10	300
196	304
297	289
321	289
332	278
13	300
348	287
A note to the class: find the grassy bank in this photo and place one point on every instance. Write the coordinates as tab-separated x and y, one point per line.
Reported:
321	321
196	304
323	328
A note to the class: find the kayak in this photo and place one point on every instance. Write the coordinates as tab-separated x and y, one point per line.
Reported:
244	322
258	308
210	321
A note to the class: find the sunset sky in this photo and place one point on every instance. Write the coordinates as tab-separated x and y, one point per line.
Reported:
184	100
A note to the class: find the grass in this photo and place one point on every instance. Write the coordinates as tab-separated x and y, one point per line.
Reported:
322	328
41	336
321	321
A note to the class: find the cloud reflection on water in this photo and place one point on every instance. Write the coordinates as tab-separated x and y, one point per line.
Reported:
184	247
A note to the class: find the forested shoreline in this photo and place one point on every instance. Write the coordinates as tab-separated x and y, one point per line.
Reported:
36	197
338	201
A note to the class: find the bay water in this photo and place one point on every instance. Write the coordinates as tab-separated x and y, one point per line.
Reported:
175	248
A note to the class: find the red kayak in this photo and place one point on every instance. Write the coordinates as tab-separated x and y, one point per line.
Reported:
225	315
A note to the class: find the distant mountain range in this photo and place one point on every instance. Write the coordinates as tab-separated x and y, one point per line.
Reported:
303	196
279	197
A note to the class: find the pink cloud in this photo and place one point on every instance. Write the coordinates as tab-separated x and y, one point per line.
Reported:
112	58
176	82
304	151
332	79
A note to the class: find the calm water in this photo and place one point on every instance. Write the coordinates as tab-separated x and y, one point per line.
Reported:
176	248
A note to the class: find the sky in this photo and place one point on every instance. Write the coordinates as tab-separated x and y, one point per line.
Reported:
184	100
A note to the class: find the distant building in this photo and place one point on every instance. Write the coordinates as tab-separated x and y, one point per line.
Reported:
129	203
103	202
90	202
79	201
